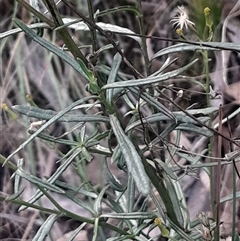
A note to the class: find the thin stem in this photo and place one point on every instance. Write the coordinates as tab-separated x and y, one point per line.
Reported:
68	41
219	171
106	35
65	213
147	64
234	189
210	145
27	204
234	207
143	42
214	45
198	121
36	13
207	86
92	30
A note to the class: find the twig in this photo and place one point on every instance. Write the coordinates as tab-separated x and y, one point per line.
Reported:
105	34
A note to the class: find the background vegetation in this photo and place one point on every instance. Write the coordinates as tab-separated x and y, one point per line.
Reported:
118	125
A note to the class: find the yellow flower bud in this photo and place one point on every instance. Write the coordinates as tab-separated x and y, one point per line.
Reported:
207	11
164	231
208	18
9	111
179	31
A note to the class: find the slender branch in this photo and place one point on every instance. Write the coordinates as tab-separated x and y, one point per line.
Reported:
92	30
231	48
199	122
218	174
143	42
106	35
36	13
73	48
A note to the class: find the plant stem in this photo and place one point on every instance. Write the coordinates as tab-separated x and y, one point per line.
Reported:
143	42
218	175
92	30
213	194
234	206
68	41
93	25
36	13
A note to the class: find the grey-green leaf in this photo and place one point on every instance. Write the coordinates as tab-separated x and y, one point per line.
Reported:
113	183
48	123
44	230
179	116
182	47
38	181
32	111
131	156
97	207
150	80
52	48
112	75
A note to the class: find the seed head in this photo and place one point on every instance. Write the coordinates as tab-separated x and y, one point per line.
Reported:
181	19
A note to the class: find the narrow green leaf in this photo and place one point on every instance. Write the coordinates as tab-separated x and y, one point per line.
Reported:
113	183
133	215
54	140
150	80
204	111
53	178
112	75
45	228
76	232
168	170
193	128
47	124
130	194
179	48
131	156
17	177
19	30
116	154
104	26
182	47
43	114
38	181
176	201
98	202
87	156
143	208
15	195
86	71
52	48
165	65
180	117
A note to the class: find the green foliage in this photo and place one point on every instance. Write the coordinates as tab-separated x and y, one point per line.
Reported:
123	138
